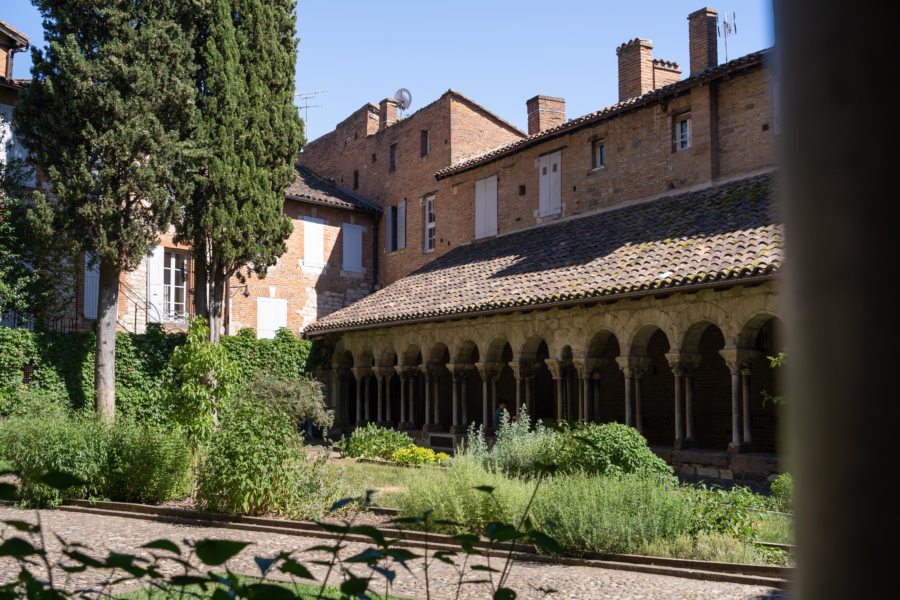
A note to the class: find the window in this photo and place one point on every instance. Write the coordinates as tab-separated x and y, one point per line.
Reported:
271	315
550	170
313	242
352	235
355	180
396	227
425	142
393	157
175	278
682	132
598	154
486	207
428	219
10	146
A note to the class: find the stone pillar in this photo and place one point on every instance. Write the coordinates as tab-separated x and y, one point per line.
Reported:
379	379
401	373
585	368
494	378
629	414
465	401
595	407
437	395
413	396
555	367
359	396
745	380
485	372
679	427
638	413
571	411
368	398
735	360
688	410
427	374
455	407
387	393
517	374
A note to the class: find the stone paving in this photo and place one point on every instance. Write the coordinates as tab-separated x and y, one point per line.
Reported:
106	533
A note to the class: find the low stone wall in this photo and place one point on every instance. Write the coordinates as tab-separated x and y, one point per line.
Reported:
714	464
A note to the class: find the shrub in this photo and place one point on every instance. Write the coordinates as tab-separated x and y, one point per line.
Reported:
451	493
125	461
414	455
729	512
78	446
783	493
520	450
282	357
611	514
300	398
608	449
373	441
254	464
147	465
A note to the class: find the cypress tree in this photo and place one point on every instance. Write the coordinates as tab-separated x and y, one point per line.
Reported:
108	116
251	131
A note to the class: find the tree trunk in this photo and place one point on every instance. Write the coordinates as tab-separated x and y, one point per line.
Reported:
105	356
201	300
216	302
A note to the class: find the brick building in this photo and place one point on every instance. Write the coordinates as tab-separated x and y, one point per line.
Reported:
621	265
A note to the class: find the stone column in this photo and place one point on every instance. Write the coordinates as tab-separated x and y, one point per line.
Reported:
517	372
413	396
464	383
455	404
427	373
359	396
735	359
379	381
638	412
485	373
585	368
688	410
595	407
495	376
368	398
387	393
571	411
437	396
528	381
745	380
401	373
555	367
629	413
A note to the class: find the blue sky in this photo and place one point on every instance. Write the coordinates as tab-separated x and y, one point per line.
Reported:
499	53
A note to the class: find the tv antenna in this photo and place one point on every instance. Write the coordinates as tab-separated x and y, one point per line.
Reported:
305	97
404	99
728	27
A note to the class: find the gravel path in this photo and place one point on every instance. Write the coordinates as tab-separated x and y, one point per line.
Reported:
104	533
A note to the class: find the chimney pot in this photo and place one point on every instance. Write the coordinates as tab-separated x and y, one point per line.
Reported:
545	112
703	39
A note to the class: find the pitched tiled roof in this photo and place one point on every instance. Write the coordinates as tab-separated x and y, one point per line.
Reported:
19	38
722	234
310	187
590	119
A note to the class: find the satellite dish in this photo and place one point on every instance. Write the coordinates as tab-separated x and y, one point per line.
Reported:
403	98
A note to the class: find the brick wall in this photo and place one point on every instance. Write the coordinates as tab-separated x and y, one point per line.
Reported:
732	134
457	129
311	292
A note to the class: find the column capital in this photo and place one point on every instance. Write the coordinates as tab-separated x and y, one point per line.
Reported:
361	372
736	358
343	371
555	367
682	362
584	366
406	371
459	370
382	372
633	366
488	370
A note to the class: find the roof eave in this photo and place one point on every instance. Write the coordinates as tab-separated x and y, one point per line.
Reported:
363	209
719	283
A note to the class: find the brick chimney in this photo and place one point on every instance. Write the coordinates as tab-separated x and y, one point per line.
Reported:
703	39
665	72
545	112
387	113
635	68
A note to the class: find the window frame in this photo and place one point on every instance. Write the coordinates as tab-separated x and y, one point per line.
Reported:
360	231
429	220
392	158
171	270
598	144
308	225
425	142
356	179
682	141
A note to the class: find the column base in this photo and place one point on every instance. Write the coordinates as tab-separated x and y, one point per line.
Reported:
735	448
458	429
434	427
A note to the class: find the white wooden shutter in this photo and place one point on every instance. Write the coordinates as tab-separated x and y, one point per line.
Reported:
352	235
271	315
313	242
490	205
401	225
544	178
91	287
555	183
388	228
479	208
156	296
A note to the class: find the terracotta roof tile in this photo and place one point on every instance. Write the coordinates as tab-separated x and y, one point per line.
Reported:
310	187
728	232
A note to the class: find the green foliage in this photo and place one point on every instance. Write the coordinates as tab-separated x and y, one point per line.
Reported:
372	441
704	546
283	357
454	496
608	449
728	512
524	450
250	131
415	455
255	464
15	276
124	461
783	493
146	464
300	398
203	379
